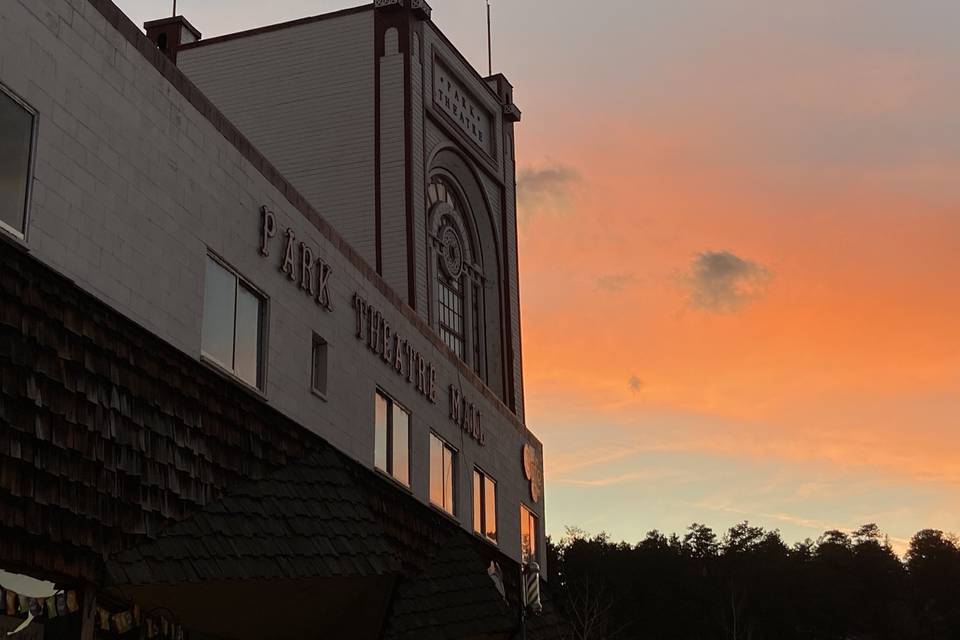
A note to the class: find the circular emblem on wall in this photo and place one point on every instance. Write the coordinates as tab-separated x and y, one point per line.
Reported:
533	470
452	252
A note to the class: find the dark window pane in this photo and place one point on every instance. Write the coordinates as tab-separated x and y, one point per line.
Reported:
436	470
401	445
318	377
16	133
247	350
490	509
219	306
380	434
451	315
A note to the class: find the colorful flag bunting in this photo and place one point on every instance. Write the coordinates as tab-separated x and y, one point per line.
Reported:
68	602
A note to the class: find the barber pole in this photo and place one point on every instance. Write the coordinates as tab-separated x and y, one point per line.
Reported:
531	588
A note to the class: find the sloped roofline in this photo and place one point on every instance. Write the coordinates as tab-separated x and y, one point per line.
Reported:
277	27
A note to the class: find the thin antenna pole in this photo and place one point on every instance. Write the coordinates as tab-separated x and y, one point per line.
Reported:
174	8
489	43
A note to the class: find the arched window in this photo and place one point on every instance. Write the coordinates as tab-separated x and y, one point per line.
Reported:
457	276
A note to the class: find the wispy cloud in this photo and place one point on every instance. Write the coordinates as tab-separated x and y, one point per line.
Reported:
623	478
559	465
614	282
546	190
722	282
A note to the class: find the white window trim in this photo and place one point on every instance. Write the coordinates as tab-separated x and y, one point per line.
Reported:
453	478
391	402
263	350
526	512
22	236
483	511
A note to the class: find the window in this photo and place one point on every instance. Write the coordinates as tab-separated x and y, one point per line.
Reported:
392	439
528	535
484	505
318	372
17	124
442	474
232	324
451	315
457	276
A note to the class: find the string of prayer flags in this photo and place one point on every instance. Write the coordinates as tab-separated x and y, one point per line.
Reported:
126	621
68	602
17	604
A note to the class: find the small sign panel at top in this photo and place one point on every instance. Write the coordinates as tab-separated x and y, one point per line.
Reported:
450	96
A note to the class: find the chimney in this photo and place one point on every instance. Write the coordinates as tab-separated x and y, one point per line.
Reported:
169	34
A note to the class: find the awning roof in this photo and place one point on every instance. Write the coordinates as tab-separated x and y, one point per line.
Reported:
308	520
323	548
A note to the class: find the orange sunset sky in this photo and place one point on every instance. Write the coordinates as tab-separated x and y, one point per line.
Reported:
740	245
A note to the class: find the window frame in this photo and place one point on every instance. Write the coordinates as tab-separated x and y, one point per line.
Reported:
22	234
454	454
482	531
262	329
444	190
391	405
454	291
527	514
324	345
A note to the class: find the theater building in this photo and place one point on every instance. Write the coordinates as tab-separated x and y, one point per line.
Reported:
260	354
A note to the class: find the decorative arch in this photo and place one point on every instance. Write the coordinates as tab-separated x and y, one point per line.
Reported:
391	41
459	218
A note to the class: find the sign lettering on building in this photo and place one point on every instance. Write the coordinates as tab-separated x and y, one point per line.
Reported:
394	350
454	100
299	262
311	275
466	415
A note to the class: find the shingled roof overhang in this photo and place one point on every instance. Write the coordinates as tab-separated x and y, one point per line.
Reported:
303	551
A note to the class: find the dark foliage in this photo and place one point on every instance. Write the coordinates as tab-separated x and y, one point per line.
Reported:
749	585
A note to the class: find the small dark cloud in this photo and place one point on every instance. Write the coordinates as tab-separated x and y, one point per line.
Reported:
614	282
635	384
546	190
722	282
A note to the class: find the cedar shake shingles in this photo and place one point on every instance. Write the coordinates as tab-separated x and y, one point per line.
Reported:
108	434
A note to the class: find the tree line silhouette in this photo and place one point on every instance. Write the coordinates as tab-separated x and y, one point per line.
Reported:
750	585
